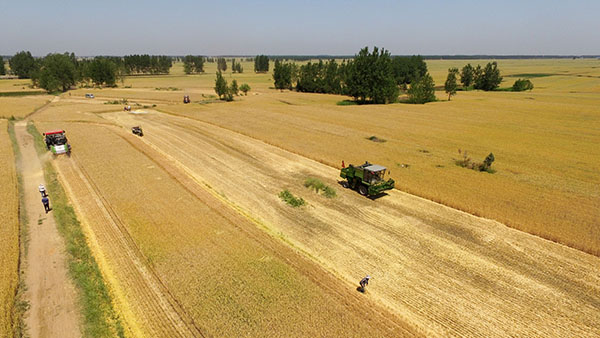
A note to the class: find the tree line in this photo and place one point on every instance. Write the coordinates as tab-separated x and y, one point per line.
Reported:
193	64
370	77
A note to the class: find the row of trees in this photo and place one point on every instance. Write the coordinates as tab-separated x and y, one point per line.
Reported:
236	67
261	64
221	64
193	64
374	77
2	67
145	64
487	78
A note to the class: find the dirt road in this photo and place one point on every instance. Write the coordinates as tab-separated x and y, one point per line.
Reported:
52	297
447	272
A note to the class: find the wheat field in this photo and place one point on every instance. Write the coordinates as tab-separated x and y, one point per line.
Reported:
9	231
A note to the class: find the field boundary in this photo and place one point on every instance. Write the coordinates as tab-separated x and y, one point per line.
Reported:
99	316
20	304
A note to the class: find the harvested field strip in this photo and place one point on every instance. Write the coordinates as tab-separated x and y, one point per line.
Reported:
446	271
229	276
99	317
9	234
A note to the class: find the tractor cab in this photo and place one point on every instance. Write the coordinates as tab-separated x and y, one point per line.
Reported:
367	178
56	142
186	99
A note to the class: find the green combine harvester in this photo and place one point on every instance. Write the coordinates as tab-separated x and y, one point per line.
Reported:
367	178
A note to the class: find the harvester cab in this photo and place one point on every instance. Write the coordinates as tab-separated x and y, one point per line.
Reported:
368	179
57	143
137	130
186	99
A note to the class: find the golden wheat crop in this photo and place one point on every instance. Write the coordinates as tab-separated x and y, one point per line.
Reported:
545	143
229	276
9	232
21	106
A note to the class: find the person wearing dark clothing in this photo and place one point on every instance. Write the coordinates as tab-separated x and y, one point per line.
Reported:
46	203
364	282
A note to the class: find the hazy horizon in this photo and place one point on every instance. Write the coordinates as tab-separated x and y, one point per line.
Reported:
312	28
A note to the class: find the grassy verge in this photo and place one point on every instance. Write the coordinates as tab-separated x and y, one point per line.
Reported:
24	93
290	199
320	187
100	318
20	304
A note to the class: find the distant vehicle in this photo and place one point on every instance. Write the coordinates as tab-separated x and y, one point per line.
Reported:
367	178
137	130
56	142
186	99
127	108
89	96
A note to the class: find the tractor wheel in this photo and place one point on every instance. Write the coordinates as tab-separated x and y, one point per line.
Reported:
345	184
354	183
363	190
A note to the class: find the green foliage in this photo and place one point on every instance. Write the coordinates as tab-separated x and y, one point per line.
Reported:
23	65
408	69
282	75
422	90
522	85
236	67
451	84
376	139
2	67
233	89
370	77
221	64
193	64
323	77
346	103
101	71
144	64
488	78
245	88
320	187
221	86
290	199
467	162
57	73
467	76
261	64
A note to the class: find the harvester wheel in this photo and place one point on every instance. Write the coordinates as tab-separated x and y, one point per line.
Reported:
363	190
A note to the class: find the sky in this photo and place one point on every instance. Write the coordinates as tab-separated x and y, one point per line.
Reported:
225	27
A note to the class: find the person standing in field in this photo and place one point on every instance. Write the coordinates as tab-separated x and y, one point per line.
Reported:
363	283
42	190
46	203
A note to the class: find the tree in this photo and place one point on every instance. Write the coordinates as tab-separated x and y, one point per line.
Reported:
466	75
408	69
489	78
370	77
261	64
221	86
101	71
23	65
282	74
57	73
221	64
451	85
2	68
522	85
422	90
245	88
234	88
193	64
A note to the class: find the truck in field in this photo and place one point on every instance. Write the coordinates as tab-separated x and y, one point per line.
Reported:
57	142
367	178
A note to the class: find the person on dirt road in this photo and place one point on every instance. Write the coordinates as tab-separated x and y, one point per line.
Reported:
364	282
42	190
46	203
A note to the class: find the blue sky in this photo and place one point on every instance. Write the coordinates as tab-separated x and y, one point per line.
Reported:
299	27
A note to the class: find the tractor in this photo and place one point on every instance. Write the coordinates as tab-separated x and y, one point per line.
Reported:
367	178
57	143
137	130
186	99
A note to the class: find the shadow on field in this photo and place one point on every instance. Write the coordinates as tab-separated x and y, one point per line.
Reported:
344	184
